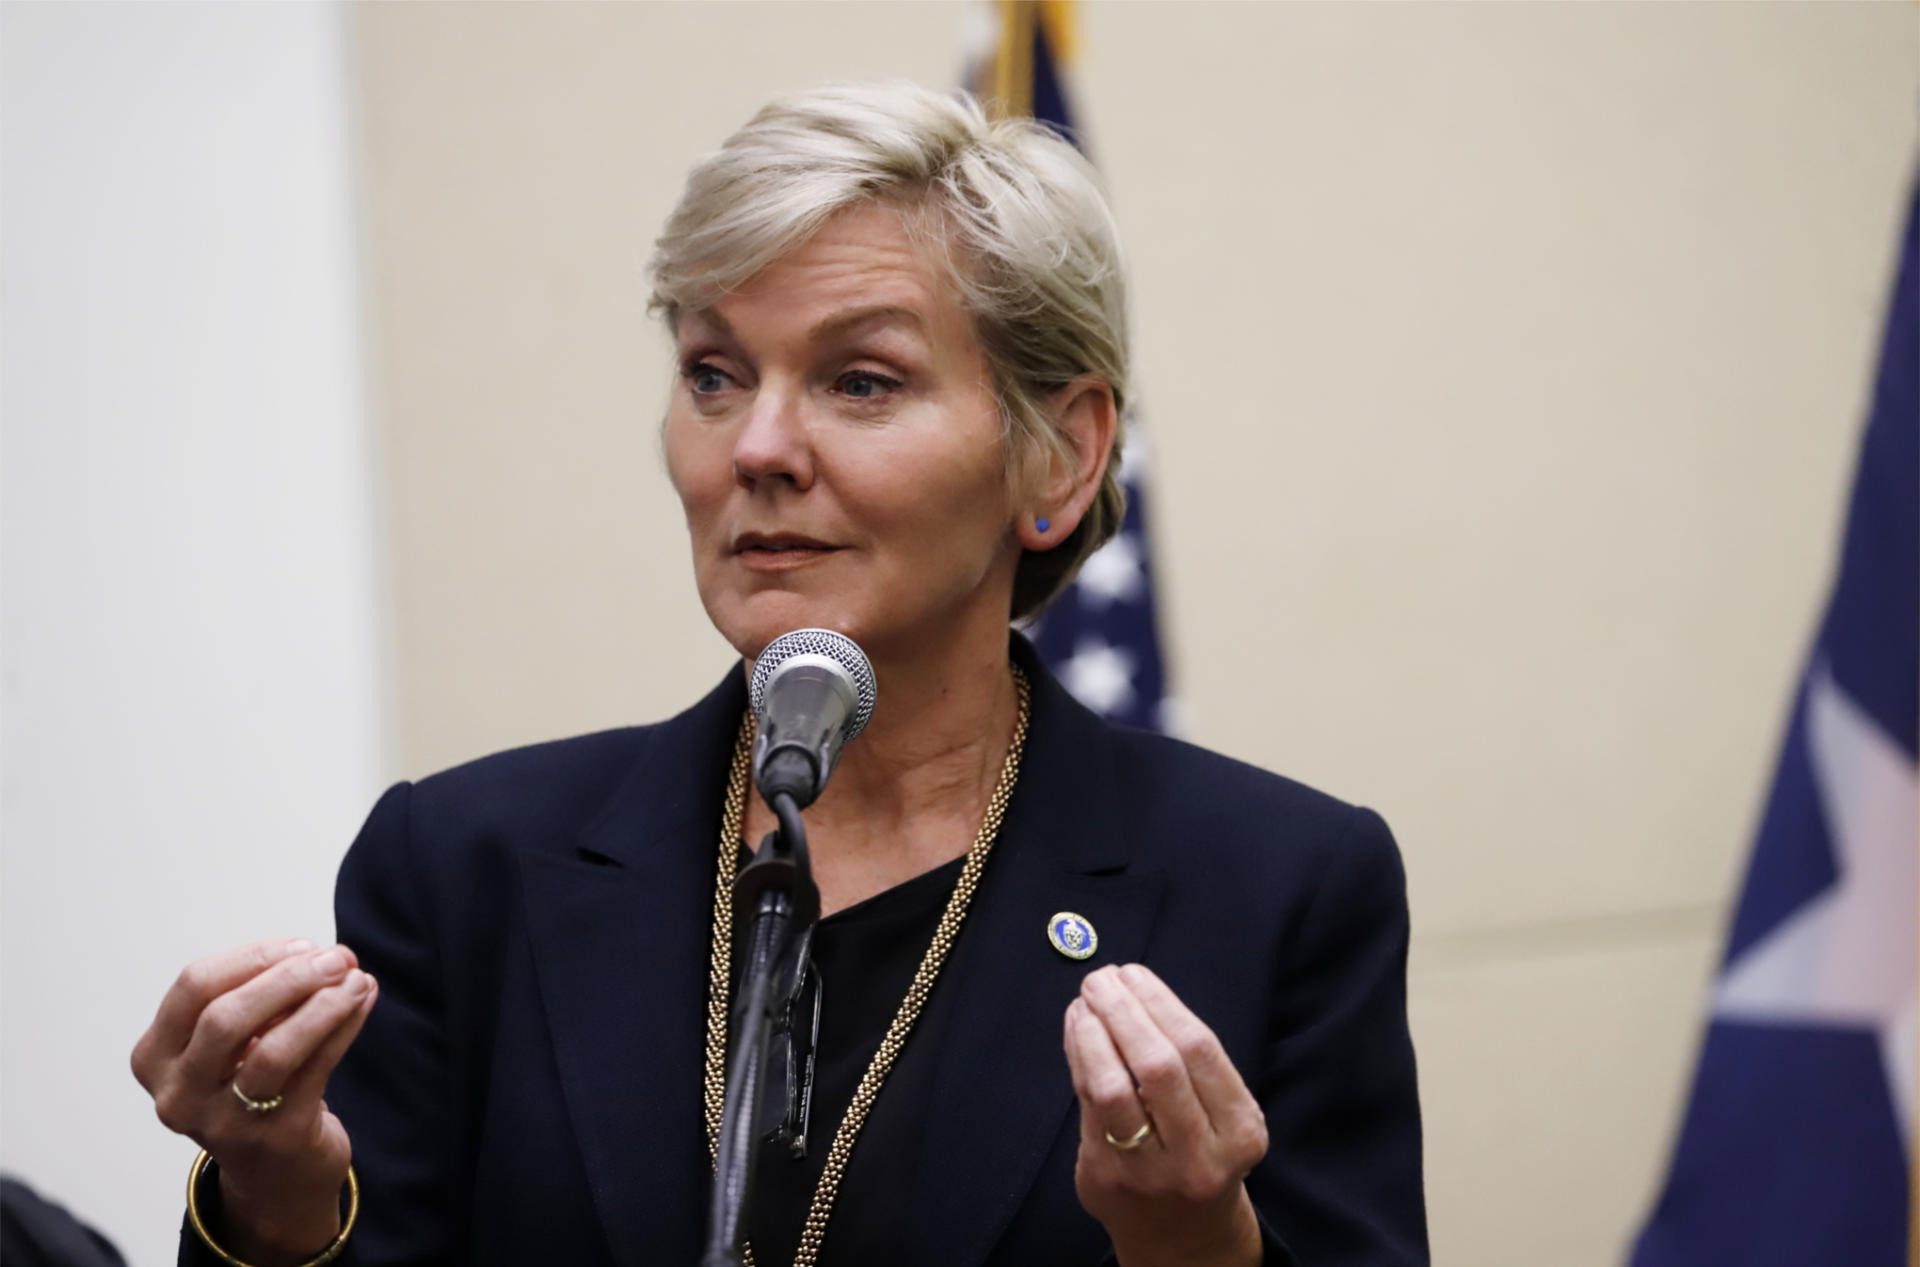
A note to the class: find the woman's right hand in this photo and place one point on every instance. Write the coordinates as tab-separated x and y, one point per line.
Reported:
272	1019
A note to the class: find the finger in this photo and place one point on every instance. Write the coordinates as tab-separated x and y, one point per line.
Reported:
310	1079
1108	1101
294	1060
264	1031
1153	1059
1222	1092
1079	1060
204	980
221	1034
1072	1043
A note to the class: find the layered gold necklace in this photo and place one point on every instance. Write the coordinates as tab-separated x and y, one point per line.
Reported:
720	984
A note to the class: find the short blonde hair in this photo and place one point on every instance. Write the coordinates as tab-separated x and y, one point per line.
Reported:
1016	210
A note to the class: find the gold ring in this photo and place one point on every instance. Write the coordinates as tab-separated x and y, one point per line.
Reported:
252	1105
1132	1141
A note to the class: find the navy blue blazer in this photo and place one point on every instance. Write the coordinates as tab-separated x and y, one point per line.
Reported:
528	1090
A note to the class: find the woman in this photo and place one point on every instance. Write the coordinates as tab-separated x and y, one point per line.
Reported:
1081	992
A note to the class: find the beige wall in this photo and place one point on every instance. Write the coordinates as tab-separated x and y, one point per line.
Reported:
1503	363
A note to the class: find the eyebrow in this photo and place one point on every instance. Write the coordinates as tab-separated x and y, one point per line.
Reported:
840	323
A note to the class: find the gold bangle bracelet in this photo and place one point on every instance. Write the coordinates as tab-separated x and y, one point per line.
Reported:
326	1255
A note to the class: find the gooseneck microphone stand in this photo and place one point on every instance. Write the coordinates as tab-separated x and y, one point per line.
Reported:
777	887
812	691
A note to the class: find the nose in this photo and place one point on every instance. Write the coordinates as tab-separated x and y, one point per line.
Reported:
773	443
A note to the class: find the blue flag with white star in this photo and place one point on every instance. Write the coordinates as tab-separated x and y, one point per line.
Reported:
1797	1143
1101	636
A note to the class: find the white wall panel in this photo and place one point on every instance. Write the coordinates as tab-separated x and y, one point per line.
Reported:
192	721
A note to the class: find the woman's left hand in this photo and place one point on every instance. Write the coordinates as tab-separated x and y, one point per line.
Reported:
1140	1058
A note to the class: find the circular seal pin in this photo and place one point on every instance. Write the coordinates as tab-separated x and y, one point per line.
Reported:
1072	936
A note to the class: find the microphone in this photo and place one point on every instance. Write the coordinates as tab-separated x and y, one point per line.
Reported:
813	692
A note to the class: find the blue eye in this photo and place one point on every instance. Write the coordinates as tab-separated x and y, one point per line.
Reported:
705	379
861	385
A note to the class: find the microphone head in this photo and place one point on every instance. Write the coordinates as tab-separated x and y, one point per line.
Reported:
825	644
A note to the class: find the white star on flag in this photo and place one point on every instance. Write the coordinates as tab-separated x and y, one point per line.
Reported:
1100	676
1133	456
1112	574
1847	957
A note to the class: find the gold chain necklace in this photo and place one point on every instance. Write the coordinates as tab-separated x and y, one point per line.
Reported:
720	986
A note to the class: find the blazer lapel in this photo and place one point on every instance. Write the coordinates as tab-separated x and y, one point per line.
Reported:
1001	1089
620	933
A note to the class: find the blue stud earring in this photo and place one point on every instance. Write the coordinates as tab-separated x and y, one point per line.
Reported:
1041	524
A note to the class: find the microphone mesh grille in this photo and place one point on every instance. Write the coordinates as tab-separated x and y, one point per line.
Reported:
839	648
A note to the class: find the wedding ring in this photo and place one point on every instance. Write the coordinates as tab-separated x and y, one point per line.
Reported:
1132	1141
267	1106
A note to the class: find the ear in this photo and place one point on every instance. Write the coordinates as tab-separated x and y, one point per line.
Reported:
1086	413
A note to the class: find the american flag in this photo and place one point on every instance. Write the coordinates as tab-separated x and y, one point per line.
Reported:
1101	636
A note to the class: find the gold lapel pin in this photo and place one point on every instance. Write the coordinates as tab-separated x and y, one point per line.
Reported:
1072	936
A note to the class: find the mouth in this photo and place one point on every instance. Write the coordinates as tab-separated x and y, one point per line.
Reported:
779	549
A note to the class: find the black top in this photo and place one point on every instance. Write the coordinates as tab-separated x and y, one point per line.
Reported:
866	956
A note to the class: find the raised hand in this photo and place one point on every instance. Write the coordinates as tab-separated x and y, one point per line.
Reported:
1168	1130
237	1058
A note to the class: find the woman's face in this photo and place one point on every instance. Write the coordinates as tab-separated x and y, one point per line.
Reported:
835	442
